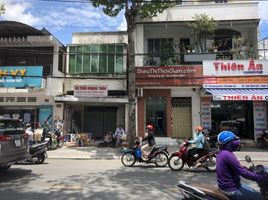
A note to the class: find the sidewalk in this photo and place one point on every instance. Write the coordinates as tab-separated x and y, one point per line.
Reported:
108	153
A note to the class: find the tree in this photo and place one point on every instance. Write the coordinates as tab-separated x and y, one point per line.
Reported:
132	9
2	9
202	28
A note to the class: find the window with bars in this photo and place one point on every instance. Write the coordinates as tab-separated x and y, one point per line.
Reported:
96	58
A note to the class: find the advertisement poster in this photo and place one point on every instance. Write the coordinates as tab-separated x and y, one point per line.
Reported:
206	114
45	115
260	122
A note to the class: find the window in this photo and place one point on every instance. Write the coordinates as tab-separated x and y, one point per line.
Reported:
96	58
155	45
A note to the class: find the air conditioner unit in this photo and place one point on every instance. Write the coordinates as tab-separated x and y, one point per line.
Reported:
140	92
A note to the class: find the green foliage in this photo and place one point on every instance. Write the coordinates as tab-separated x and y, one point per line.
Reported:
141	8
2	9
166	52
202	28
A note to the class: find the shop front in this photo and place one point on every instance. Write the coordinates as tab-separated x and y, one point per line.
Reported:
169	99
22	96
235	95
90	110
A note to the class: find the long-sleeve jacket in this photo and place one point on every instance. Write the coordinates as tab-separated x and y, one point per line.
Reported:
198	140
229	171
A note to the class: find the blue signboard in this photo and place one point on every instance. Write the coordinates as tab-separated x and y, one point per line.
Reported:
21	76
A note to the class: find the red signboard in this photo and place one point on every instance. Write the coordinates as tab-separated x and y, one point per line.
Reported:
169	76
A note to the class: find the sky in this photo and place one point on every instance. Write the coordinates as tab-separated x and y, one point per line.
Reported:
63	18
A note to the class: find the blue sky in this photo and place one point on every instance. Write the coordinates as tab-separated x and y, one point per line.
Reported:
62	19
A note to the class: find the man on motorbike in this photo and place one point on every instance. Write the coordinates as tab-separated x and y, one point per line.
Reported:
148	147
229	170
199	144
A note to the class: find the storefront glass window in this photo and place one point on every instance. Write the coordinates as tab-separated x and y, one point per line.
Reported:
234	116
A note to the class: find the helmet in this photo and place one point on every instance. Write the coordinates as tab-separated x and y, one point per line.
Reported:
150	127
199	128
226	136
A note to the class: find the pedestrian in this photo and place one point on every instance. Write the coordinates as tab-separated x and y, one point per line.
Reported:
119	132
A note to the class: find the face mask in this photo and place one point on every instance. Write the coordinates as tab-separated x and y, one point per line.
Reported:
235	144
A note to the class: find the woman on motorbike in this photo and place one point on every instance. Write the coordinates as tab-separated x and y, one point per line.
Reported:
199	142
229	170
148	147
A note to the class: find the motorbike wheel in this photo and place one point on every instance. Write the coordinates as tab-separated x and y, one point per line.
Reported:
175	163
128	159
161	159
40	159
211	161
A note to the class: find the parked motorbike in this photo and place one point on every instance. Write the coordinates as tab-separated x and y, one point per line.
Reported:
158	156
59	137
201	191
51	140
178	159
263	140
37	153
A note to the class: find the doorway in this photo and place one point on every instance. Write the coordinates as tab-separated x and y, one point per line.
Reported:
99	120
156	114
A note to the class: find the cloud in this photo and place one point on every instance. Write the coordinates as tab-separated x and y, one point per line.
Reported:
19	11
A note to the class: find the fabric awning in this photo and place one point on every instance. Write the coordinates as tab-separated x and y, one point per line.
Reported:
239	94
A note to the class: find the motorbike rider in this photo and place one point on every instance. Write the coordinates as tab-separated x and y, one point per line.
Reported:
198	140
229	170
148	147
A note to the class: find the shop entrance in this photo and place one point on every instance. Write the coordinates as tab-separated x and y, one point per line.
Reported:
99	120
156	114
234	116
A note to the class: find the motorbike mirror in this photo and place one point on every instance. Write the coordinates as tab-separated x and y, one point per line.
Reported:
248	158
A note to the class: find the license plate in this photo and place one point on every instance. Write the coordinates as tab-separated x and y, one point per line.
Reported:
17	143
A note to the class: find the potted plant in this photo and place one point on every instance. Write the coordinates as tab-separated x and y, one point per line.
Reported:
202	28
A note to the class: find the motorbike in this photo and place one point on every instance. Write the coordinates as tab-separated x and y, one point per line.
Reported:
207	158
59	137
263	140
37	153
159	156
199	191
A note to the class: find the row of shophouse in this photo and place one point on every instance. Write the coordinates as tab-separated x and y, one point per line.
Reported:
84	84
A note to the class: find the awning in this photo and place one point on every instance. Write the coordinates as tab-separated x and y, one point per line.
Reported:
239	94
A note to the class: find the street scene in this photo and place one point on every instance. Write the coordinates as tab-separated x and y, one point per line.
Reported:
133	99
93	173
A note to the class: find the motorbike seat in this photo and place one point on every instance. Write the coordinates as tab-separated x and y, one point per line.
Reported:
211	191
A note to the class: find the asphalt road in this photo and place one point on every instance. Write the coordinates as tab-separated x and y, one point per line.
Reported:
73	179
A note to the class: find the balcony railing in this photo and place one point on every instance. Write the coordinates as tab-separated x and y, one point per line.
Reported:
197	58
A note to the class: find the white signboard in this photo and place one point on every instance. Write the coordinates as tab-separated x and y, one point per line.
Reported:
206	114
91	90
259	113
240	97
235	68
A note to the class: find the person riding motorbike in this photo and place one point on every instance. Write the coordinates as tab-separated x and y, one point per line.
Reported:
199	144
229	170
147	148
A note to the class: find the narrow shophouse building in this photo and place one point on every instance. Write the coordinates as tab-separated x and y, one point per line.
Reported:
94	95
173	91
30	61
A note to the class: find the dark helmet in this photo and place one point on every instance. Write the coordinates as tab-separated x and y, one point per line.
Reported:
226	136
150	127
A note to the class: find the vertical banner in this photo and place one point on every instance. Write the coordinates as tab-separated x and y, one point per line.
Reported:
206	114
259	113
45	115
